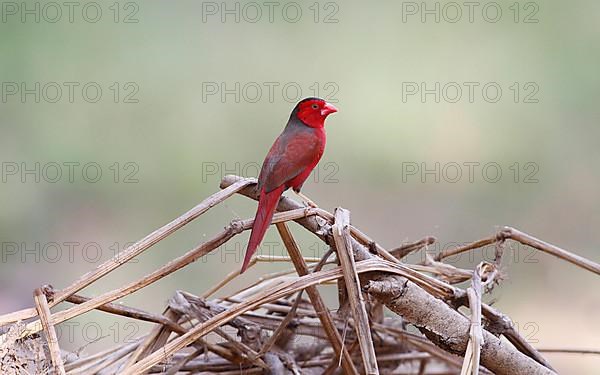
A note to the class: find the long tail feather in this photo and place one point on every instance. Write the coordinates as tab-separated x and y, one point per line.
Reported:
266	208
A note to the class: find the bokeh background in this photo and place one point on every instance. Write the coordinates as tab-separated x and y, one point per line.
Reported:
179	108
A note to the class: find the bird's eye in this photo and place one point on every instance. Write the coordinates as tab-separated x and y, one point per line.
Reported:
315	106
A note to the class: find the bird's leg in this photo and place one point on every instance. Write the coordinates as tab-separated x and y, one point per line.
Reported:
305	199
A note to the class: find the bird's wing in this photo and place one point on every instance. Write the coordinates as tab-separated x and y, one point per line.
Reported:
288	157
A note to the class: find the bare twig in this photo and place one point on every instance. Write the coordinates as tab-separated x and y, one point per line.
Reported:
575	259
123	310
405	249
473	245
41	305
525	239
282	326
172	266
157	337
320	308
474	292
133	250
341	236
569	351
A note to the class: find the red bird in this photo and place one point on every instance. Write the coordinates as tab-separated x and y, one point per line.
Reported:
294	154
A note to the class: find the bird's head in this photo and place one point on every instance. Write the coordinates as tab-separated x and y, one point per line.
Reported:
313	111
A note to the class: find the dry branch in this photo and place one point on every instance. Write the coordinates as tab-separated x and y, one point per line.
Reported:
131	251
341	236
174	265
41	305
525	239
473	353
320	308
368	275
448	328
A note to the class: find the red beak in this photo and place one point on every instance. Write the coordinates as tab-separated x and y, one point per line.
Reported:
328	109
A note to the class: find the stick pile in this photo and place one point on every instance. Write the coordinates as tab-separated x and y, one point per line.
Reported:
280	324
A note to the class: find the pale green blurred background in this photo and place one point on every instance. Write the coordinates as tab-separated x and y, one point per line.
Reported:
177	143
